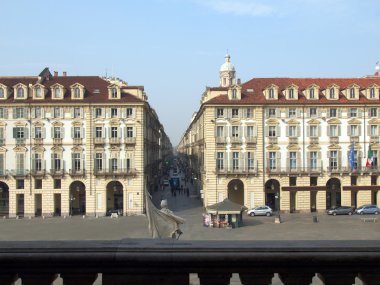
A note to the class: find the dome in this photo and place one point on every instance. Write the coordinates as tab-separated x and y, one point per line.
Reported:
227	66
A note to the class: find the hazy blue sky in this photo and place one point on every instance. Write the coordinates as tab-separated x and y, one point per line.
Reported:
175	47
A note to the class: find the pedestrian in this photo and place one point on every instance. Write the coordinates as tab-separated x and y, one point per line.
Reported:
187	192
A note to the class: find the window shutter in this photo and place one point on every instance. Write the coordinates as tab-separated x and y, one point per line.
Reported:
94	113
14	133
119	135
278	131
298	131
308	162
5	113
287	131
52	132
14	113
359	112
308	113
319	160
81	113
134	132
62	132
266	113
278	113
109	132
33	133
339	159
328	154
266	131
339	130
26	133
339	111
308	131
52	161
72	112
26	113
72	132
359	130
278	154
349	131
33	113
43	130
83	134
298	112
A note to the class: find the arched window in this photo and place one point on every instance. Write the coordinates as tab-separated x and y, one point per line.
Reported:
311	93
1	92
352	93
77	92
114	92
38	92
372	93
291	93
20	92
234	93
57	92
332	93
271	93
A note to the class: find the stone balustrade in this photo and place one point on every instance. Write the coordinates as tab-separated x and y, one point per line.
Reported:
142	262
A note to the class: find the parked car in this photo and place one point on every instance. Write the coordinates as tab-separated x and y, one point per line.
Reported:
166	182
343	210
260	211
367	209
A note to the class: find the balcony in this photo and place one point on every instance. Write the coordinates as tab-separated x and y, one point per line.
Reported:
318	170
314	140
20	141
159	262
77	141
115	172
115	140
334	140
130	140
99	140
38	172
19	172
57	172
221	140
57	141
235	140
77	172
354	139
374	139
251	140
272	140
38	141
293	140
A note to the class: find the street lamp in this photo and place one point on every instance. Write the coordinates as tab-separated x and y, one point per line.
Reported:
72	198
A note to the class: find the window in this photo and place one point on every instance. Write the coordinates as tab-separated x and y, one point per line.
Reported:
98	132
114	132
352	93
292	131
235	113
249	113
129	112
113	112
77	112
373	180
271	93
272	131
373	130
38	133
57	112
19	132
353	112
291	93
220	131
250	131
291	113
272	160
37	112
20	163
219	112
57	183
113	164
234	94
235	131
38	92
77	92
38	184
271	113
313	160
313	181
19	113
292	181
292	160
333	131
332	93
313	112
57	92
2	94
129	132
76	161
333	160
333	112
20	184
220	160
98	112
56	162
235	160
114	93
372	93
37	162
20	92
353	130
250	161
311	93
77	132
354	180
373	112
57	133
313	131
99	161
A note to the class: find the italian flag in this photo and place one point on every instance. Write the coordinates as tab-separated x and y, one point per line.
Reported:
369	158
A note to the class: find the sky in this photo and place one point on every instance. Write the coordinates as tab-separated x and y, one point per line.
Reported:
176	47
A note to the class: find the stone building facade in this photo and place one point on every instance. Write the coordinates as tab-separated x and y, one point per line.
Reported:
295	144
76	145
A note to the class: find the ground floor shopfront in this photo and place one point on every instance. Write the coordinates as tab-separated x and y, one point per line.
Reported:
72	197
286	194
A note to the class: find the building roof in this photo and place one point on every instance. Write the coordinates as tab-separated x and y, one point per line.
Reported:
225	207
96	89
252	91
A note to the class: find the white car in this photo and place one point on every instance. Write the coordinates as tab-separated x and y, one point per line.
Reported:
166	182
260	211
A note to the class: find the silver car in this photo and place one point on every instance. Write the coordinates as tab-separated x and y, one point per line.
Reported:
260	211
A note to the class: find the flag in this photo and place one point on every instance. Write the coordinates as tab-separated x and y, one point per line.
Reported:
351	157
369	158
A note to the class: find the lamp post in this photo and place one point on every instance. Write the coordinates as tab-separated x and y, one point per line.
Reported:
277	197
72	198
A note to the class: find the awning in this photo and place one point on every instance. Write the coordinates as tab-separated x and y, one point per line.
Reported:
225	207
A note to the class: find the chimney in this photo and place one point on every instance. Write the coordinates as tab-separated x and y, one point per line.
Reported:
64	73
55	73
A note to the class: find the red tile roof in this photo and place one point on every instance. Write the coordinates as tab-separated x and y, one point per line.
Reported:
258	85
96	90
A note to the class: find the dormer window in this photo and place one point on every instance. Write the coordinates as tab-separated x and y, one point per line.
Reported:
20	92
114	93
271	93
57	92
372	94
77	92
234	94
2	93
352	93
291	93
311	93
38	92
332	93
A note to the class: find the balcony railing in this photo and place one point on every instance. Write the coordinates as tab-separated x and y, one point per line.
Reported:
130	140
356	169
38	172
334	140
317	170
235	139
115	172
246	171
251	140
354	139
57	141
273	140
221	140
314	140
99	140
293	140
38	141
159	262
374	139
77	172
57	172
19	172
115	140
20	141
77	141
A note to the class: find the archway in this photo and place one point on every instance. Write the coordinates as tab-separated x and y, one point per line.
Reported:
115	197
77	198
272	194
236	191
333	194
4	199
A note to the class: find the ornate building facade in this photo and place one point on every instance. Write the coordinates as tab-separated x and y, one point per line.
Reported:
295	144
76	145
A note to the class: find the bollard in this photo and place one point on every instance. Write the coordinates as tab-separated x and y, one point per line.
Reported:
315	219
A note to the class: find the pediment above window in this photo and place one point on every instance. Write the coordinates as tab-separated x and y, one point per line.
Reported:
273	147
39	149
313	147
234	92
39	91
271	92
20	91
313	122
334	147
57	124
372	92
374	121
114	92
352	92
332	92
20	149
77	91
293	122
334	121
354	121
312	92
57	91
291	92
57	149
293	147
77	149
272	121
4	92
